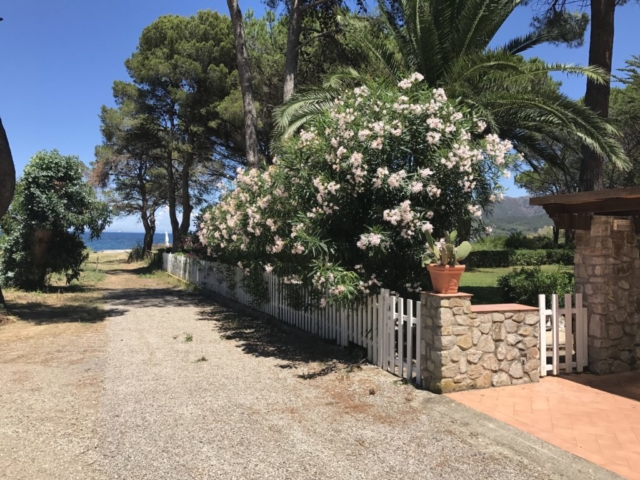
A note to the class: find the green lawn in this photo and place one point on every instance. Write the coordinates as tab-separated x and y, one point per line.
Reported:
483	282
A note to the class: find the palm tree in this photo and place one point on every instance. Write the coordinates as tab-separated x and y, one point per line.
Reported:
448	41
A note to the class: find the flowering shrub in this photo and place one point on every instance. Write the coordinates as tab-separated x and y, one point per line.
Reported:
345	207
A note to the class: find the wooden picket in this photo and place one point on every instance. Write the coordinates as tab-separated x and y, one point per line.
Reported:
558	356
385	325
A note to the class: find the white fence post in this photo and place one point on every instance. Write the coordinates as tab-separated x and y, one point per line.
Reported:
542	307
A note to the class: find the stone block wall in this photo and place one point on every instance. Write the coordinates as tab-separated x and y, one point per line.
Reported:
607	268
465	347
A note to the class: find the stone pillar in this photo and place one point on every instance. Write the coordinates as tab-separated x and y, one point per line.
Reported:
607	270
463	349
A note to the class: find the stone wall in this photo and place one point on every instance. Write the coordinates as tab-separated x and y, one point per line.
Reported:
607	269
465	347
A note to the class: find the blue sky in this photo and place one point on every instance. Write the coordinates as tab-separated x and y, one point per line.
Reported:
60	58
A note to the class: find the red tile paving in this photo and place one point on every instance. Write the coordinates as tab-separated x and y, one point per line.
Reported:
594	417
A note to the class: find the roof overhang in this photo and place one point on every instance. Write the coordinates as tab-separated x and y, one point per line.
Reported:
575	210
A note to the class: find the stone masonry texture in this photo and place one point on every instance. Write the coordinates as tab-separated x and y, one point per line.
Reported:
607	268
462	350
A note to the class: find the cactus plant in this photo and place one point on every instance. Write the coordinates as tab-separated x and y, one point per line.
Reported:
444	252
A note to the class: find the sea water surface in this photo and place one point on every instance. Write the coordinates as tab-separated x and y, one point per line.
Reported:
121	240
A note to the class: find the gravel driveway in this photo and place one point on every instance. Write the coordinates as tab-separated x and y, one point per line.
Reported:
176	386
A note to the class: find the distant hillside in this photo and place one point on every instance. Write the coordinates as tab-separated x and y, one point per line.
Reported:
515	214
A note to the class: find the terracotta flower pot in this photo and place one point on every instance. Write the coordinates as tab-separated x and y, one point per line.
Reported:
445	279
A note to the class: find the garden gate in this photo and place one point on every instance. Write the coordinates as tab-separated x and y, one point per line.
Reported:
563	335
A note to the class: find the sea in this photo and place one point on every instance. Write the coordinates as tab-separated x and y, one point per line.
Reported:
121	240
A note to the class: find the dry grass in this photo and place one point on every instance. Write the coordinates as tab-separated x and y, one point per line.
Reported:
79	302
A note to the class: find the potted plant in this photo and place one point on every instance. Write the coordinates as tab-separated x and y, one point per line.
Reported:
442	259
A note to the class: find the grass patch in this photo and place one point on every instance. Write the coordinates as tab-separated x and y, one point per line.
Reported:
201	359
80	302
188	338
483	282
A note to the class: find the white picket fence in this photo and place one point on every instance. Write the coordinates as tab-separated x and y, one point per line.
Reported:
386	325
565	349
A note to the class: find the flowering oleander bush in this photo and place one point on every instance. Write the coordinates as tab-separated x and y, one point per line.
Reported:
345	207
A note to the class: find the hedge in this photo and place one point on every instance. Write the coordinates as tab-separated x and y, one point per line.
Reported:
525	258
525	284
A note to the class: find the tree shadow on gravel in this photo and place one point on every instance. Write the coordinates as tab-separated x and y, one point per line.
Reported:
149	297
264	336
47	314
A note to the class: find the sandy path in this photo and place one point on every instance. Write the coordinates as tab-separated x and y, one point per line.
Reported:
128	399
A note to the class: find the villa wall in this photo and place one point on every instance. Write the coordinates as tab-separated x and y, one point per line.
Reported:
607	268
465	347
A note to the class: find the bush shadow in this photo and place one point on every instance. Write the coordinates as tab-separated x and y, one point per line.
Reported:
47	314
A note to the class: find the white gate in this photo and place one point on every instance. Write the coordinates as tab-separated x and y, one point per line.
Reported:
386	326
563	335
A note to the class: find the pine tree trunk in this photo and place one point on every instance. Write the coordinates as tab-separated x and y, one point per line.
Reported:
597	95
187	208
293	46
173	217
149	224
246	85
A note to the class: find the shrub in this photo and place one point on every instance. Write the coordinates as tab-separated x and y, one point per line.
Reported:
528	258
493	242
561	256
52	208
138	254
524	285
522	258
489	259
520	241
346	204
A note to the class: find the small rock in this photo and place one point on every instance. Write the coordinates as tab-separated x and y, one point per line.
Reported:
473	356
497	317
533	353
499	332
465	342
490	362
525	330
455	354
475	335
484	381
501	352
500	379
458	330
462	365
511	326
532	319
512	353
448	342
486	344
450	371
513	339
516	370
531	365
619	366
475	372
